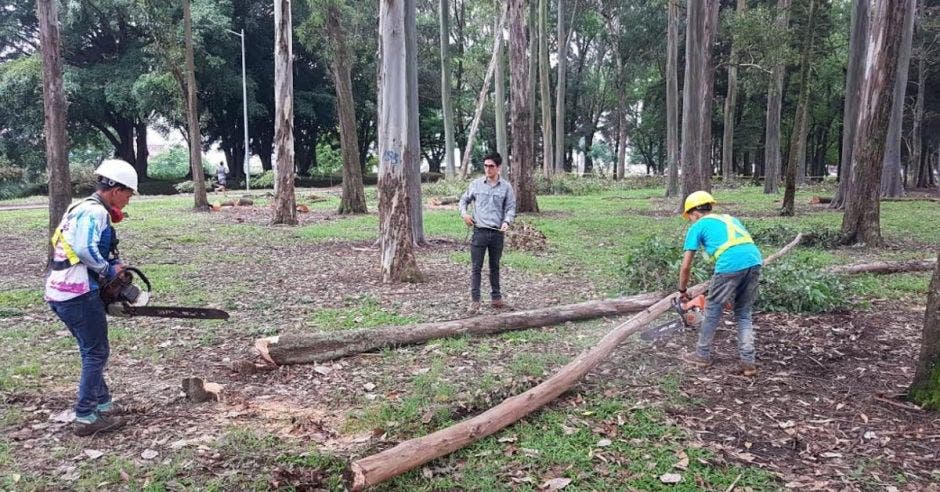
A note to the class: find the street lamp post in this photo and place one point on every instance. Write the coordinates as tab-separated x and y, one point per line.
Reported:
246	164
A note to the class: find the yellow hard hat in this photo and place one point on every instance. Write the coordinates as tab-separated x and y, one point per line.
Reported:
697	199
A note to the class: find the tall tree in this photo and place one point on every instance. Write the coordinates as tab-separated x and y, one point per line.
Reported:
192	116
914	174
892	181
858	49
561	80
54	113
696	97
447	106
672	100
396	151
925	390
499	94
727	140
861	221
545	76
285	208
521	110
353	199
798	133
413	161
774	103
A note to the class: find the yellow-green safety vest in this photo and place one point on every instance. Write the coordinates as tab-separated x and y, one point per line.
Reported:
736	234
59	236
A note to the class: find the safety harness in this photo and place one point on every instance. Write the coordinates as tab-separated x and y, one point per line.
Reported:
736	234
72	259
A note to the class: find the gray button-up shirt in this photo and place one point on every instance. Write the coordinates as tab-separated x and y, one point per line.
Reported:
492	204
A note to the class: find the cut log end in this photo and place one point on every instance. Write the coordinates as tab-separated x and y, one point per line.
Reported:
199	391
262	345
355	477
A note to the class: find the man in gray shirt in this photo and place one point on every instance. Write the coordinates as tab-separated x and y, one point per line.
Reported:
494	208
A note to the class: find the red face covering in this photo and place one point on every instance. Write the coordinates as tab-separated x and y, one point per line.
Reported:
116	215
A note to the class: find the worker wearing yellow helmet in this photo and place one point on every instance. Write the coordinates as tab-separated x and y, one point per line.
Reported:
737	272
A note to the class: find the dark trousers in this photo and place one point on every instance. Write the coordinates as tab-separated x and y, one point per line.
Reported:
491	241
740	287
85	318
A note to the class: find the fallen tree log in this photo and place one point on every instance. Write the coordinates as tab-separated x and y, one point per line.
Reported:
409	454
884	267
306	348
444	200
817	200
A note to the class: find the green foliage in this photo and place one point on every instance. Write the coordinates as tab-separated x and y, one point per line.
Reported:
445	187
264	180
781	233
654	265
569	184
329	160
799	285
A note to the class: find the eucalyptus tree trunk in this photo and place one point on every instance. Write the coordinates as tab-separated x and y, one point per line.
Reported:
396	150
560	90
548	161
447	106
499	94
774	102
531	29
413	172
192	116
799	122
353	200
54	114
672	100
858	49
727	140
914	173
925	390
521	110
801	142
285	207
861	221
696	97
892	182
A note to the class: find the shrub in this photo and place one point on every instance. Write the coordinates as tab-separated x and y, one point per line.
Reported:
781	233
800	286
263	180
654	265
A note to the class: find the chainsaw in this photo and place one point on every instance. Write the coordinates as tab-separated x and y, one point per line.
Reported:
691	314
122	298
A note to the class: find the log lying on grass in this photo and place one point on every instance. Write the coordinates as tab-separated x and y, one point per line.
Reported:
318	347
407	455
444	200
884	267
818	200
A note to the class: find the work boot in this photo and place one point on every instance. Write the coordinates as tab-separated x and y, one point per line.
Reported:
748	369
499	304
696	360
474	308
110	408
101	424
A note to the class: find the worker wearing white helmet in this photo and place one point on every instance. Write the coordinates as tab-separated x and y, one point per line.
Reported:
737	272
84	257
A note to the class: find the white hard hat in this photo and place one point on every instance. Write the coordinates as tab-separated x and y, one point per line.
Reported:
118	171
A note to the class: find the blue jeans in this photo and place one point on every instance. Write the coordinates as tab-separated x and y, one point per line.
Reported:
741	288
485	241
85	318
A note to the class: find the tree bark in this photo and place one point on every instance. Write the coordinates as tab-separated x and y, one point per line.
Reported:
285	208
140	136
798	133
884	267
521	110
415	452
499	95
861	221
192	117
727	140
353	200
560	89
481	99
413	161
548	160
892	182
855	72
774	102
307	348
398	263
55	109
914	169
672	100
447	106
696	97
925	390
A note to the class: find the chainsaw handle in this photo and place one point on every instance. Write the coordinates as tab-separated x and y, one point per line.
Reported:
140	275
